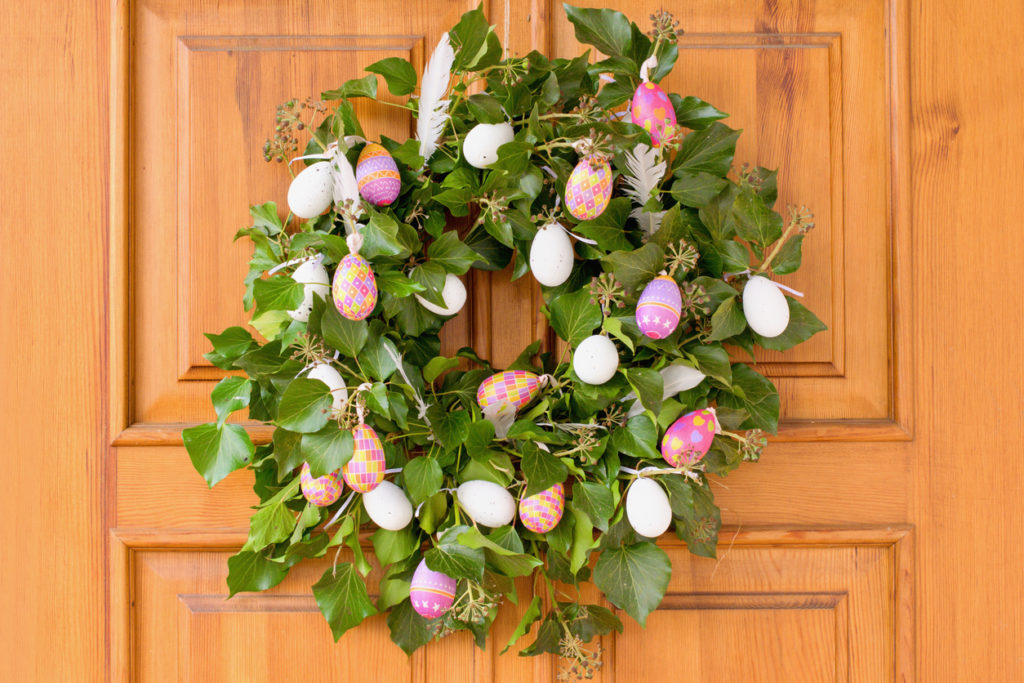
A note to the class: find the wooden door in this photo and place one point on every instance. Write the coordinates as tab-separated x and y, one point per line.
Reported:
877	540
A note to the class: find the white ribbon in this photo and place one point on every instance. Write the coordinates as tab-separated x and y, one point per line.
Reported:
340	510
294	261
645	68
657	471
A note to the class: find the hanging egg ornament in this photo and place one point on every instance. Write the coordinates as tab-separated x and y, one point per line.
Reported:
647	508
551	255
355	288
430	592
315	280
652	110
312	191
480	148
595	360
454	295
320	491
514	388
659	308
589	188
689	437
334	381
377	175
486	502
365	470
542	511
765	307
388	506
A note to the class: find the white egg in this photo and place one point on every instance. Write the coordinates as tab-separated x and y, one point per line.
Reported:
481	144
551	255
334	381
314	276
454	295
312	191
647	508
765	307
387	506
595	359
487	503
676	378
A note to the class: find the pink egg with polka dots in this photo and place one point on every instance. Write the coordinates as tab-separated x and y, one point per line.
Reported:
320	491
653	111
430	592
689	438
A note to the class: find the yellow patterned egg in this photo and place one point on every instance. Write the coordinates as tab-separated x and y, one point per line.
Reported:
366	468
513	387
320	491
589	188
652	110
542	511
377	175
354	289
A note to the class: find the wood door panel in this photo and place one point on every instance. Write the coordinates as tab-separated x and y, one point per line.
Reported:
807	84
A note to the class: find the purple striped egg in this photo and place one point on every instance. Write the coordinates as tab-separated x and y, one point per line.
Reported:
652	110
320	491
689	438
354	289
377	175
659	308
542	511
431	593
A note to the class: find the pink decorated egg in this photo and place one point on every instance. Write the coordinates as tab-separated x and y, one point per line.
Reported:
431	593
512	387
653	111
321	491
542	511
366	468
689	437
659	308
589	188
377	175
354	289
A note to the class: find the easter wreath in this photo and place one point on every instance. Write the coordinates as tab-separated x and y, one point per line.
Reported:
652	262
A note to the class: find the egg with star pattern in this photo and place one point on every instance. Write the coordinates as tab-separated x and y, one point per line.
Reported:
659	308
430	592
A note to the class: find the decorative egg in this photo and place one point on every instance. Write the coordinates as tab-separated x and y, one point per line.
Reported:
595	360
365	471
659	308
314	276
647	508
454	295
551	255
354	289
689	437
765	307
675	378
481	144
487	503
377	175
652	110
511	387
334	381
388	507
542	511
431	593
321	491
312	191
589	188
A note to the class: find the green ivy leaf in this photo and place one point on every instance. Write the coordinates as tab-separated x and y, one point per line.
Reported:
470	39
305	406
574	317
608	229
755	222
638	439
700	521
541	469
694	113
249	571
431	276
634	577
485	108
789	256
357	87
454	559
327	450
216	451
697	189
549	637
265	218
529	618
279	293
451	253
271	524
397	73
230	394
605	29
394	546
229	346
409	630
382	236
648	385
378	358
635	268
397	283
499	558
727	320
589	621
422	477
438	366
710	150
712	360
803	325
341	596
595	500
759	398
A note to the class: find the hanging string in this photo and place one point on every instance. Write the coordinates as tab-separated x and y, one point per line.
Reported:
294	261
658	471
507	21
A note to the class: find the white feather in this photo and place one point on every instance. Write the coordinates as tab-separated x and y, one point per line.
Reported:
643	173
433	105
345	185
